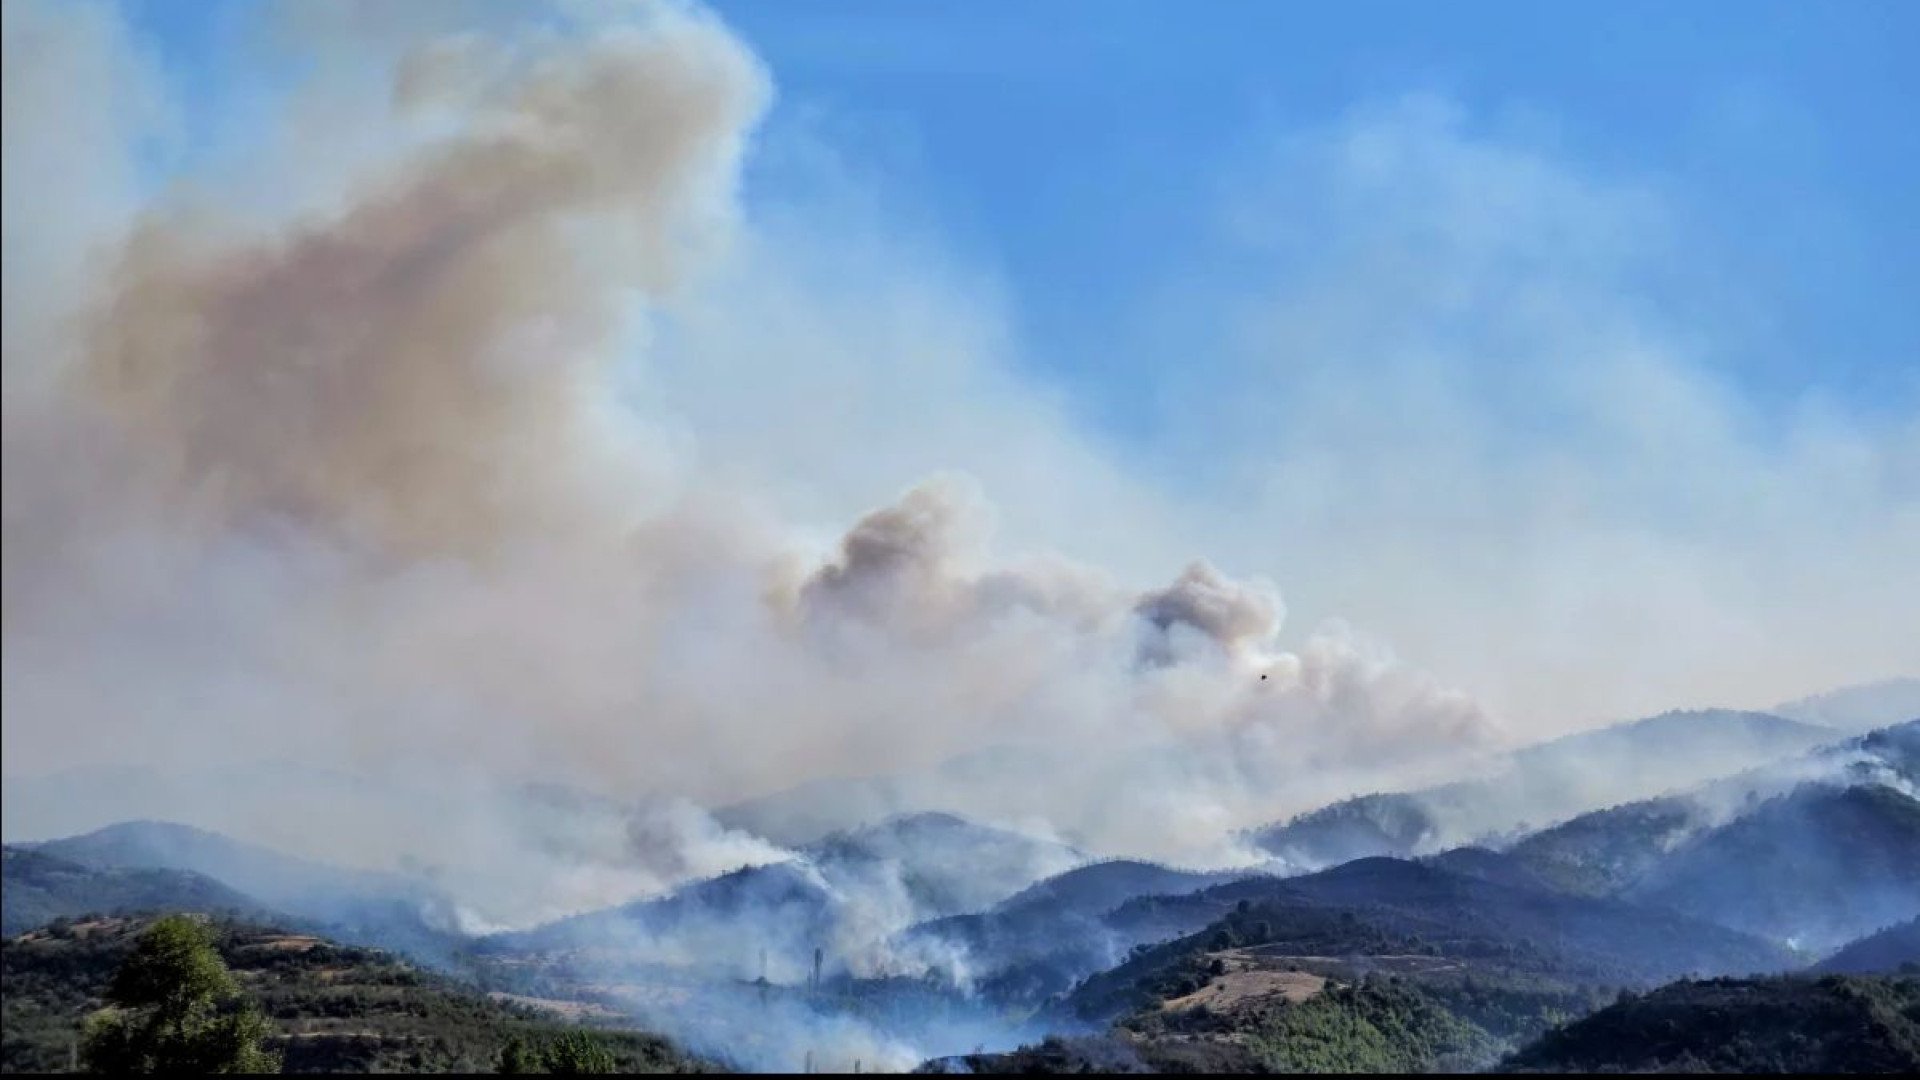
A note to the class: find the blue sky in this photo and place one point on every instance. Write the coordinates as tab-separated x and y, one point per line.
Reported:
1052	148
1054	145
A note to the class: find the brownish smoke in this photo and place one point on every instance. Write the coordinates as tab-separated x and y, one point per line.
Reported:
417	374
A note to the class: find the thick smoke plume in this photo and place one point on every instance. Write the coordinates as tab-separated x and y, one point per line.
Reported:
361	483
414	376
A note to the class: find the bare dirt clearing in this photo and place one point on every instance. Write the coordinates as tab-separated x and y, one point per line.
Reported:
1227	991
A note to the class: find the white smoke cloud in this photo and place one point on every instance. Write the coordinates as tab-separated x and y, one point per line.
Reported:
1483	399
375	477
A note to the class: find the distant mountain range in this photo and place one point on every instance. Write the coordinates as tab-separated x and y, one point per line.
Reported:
1540	785
1813	850
1854	709
1757	845
1893	950
360	906
290	884
37	888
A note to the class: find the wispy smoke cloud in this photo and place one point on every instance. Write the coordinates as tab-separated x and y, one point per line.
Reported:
1489	394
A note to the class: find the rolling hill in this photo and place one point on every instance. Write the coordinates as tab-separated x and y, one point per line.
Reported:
332	1007
1040	941
1376	965
1895	949
1388	907
366	907
1816	868
37	888
947	864
844	895
1099	887
1813	850
1546	783
1591	938
297	885
1835	1024
1859	708
1607	851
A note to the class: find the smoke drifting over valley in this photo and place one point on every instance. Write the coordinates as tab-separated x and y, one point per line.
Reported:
563	534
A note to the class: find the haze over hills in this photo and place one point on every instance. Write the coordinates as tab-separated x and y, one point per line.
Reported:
935	934
84	799
291	884
846	894
1534	785
36	889
1040	941
1893	950
1858	708
947	865
1815	848
1431	911
1815	868
1136	783
1380	964
1543	784
1099	887
364	907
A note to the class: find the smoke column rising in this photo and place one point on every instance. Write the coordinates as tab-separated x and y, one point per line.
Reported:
358	483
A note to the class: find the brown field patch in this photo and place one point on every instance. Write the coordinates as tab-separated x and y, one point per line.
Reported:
1225	992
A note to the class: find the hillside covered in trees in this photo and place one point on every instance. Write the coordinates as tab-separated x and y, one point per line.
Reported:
1832	1024
330	1007
37	888
1895	949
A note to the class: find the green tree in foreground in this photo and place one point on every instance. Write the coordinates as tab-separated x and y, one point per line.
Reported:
576	1053
516	1059
171	1009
